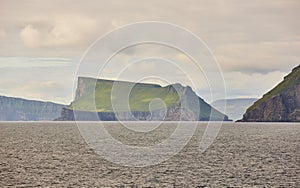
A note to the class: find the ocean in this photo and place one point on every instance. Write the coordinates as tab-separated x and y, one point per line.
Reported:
65	154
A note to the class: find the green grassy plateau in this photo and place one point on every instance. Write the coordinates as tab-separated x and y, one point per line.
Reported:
140	96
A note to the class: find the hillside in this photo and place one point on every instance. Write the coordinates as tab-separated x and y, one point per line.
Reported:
179	100
140	96
17	109
235	108
282	103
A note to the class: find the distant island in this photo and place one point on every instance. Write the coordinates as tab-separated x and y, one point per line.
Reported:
18	109
181	103
235	107
281	104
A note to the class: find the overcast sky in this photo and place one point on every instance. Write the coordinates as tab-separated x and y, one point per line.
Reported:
41	42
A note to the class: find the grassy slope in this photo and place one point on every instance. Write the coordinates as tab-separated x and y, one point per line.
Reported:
290	80
139	99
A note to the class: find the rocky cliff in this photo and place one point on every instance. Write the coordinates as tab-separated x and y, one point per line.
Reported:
280	104
17	109
93	101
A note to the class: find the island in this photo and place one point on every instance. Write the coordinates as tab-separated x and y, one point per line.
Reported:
19	109
180	103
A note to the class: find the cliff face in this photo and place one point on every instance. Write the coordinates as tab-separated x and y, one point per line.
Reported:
83	86
182	103
280	104
173	114
16	109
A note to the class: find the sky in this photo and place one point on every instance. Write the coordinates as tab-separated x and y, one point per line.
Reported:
256	43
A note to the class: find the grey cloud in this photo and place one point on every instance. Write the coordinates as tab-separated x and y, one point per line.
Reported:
248	37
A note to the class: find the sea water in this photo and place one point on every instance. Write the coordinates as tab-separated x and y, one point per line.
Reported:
56	154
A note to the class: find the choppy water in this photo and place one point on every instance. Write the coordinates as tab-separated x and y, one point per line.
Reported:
54	154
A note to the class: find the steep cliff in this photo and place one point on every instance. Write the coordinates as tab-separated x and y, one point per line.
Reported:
280	104
16	109
93	101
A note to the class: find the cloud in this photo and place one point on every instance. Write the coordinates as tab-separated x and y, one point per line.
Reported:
3	33
38	78
263	57
31	36
25	62
254	41
245	85
64	31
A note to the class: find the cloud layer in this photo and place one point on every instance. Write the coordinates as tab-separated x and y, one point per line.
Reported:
254	41
63	31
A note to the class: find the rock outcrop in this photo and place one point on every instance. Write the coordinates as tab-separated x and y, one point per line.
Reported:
281	104
17	109
93	102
